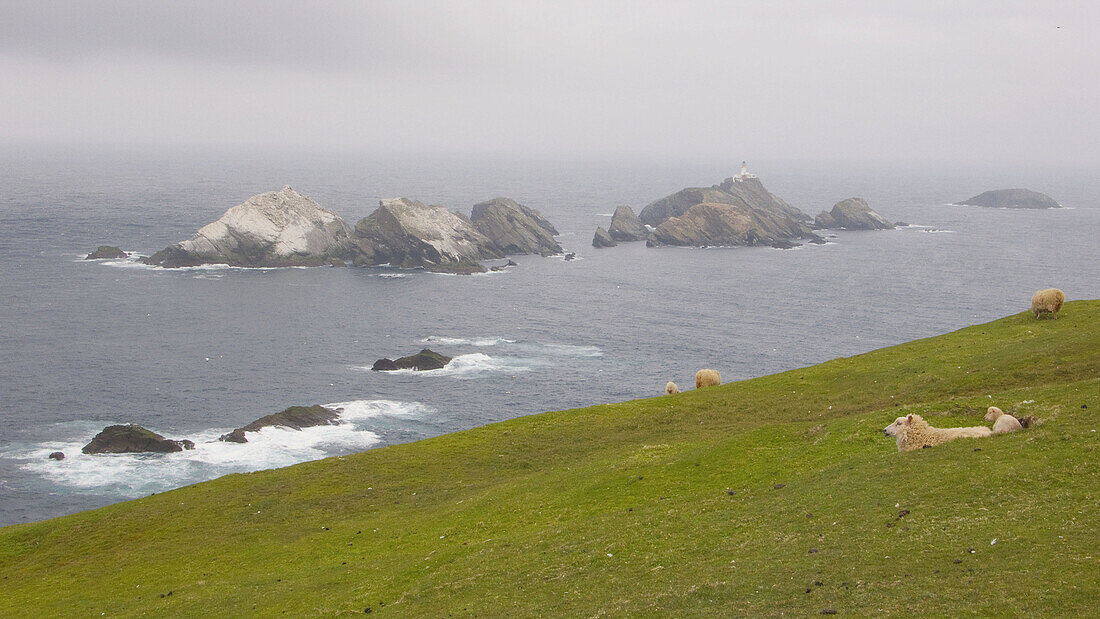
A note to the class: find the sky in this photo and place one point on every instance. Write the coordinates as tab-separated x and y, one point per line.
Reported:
888	81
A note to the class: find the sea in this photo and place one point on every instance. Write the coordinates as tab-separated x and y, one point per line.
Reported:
194	353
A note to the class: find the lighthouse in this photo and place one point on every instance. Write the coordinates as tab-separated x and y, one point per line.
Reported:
744	173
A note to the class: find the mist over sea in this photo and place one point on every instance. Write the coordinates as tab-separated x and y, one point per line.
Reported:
194	353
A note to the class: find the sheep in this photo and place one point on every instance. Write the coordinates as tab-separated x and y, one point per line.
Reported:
671	388
1047	301
913	432
1002	421
707	378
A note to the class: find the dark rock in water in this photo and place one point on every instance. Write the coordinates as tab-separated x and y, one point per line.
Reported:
514	228
424	360
336	262
900	224
106	252
570	256
602	239
272	229
504	266
411	234
785	244
626	227
295	417
815	239
852	214
1012	198
57	455
132	439
173	257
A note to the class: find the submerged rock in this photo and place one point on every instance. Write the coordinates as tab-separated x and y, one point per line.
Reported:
602	238
426	359
626	227
295	417
852	214
1012	198
106	252
411	234
277	228
132	438
514	228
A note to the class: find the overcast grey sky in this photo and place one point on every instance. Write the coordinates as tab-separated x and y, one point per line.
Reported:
914	81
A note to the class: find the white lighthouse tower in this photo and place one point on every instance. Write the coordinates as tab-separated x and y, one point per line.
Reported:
744	173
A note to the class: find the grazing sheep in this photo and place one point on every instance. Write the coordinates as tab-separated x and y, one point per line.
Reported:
671	388
913	432
1047	301
1002	421
707	378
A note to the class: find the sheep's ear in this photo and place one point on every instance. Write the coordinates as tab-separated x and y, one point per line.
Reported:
909	420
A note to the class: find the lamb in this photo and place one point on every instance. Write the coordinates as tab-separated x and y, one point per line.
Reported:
671	388
913	432
1002	421
1047	301
707	378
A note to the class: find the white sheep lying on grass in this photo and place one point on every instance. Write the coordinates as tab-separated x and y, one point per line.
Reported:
913	432
1002	421
671	388
707	378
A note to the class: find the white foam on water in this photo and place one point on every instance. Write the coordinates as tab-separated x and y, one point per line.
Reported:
133	475
367	409
462	341
570	350
391	275
466	366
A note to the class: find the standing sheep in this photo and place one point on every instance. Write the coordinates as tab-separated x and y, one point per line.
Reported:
913	432
1002	421
1047	301
707	378
671	388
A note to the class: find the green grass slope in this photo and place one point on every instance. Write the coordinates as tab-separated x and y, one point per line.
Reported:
778	494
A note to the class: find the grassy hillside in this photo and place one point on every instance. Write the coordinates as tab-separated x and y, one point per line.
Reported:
778	494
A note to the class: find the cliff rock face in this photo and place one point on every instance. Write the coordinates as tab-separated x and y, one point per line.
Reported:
133	439
626	227
277	228
602	239
747	192
852	214
410	234
720	224
1012	198
295	417
514	228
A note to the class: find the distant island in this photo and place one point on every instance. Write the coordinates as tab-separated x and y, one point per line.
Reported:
739	211
1011	198
285	228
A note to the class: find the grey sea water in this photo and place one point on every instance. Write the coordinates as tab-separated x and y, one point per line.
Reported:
194	353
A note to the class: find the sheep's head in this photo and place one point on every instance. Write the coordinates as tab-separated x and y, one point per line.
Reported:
993	413
896	428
